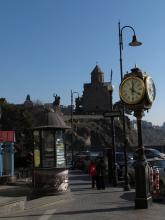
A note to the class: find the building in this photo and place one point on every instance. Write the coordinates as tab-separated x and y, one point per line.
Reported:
97	95
28	103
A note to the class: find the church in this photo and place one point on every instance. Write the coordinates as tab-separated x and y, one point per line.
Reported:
97	95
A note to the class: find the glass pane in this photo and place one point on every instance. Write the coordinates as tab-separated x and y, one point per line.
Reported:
48	159
36	149
60	150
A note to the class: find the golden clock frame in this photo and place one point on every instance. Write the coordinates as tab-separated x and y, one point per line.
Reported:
142	95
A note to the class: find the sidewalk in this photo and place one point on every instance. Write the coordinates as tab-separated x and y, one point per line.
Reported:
15	198
80	201
111	203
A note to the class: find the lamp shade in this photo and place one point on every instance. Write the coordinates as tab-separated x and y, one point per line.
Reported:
134	42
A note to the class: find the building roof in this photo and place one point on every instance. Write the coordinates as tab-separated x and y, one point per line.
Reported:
97	70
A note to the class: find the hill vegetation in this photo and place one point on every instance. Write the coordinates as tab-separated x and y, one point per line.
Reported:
88	134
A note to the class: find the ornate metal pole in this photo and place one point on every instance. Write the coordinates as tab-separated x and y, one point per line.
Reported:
114	179
143	197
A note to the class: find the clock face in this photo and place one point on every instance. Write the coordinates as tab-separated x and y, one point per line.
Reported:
132	90
150	89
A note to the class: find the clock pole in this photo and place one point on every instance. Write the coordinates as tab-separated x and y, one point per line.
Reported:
143	197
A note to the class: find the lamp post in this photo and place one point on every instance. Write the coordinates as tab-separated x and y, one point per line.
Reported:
114	170
133	43
71	119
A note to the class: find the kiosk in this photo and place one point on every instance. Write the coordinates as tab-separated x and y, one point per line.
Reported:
50	173
7	139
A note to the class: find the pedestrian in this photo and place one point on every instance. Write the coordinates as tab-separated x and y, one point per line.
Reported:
100	173
92	173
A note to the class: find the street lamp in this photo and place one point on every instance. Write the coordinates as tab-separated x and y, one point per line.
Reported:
114	175
71	119
134	42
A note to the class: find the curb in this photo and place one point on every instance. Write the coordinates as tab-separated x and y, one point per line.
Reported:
13	206
44	200
22	203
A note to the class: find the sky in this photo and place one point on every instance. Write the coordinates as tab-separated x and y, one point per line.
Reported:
51	46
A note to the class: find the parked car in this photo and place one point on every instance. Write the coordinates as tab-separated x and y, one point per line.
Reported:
150	153
78	159
120	160
84	158
92	157
154	163
131	171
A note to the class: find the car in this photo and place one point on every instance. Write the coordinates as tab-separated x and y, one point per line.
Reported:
150	153
130	171
120	161
78	159
91	157
154	163
84	158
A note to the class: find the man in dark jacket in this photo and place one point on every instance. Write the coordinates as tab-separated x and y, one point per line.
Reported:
100	173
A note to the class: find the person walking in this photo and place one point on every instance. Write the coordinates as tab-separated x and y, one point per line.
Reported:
100	173
92	173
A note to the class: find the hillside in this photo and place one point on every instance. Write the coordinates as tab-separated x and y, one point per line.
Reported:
153	136
96	134
87	133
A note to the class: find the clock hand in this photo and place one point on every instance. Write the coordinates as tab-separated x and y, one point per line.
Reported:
138	93
132	88
132	85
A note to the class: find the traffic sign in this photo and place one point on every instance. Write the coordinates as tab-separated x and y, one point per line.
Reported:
112	114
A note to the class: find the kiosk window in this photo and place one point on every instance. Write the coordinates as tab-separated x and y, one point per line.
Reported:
48	156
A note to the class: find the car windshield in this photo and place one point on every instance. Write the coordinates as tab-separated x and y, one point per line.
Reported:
155	151
158	163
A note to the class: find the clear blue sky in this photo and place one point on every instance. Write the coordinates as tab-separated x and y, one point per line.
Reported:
51	46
